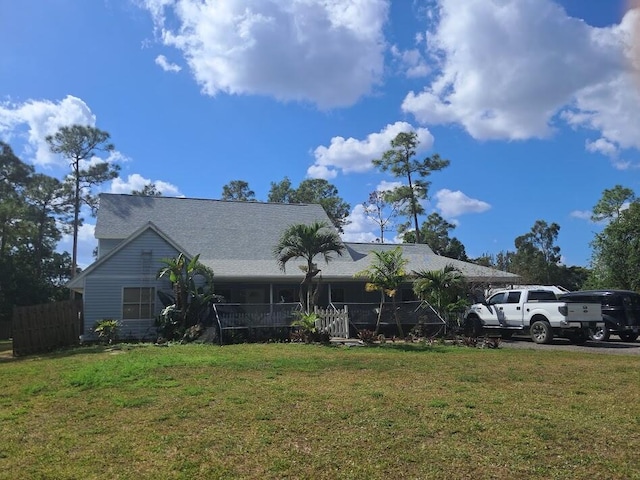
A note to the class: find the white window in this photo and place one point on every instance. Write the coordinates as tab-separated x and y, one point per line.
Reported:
138	303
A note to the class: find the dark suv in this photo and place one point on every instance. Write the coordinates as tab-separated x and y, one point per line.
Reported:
620	312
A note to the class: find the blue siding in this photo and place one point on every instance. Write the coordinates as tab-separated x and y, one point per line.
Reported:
106	245
136	265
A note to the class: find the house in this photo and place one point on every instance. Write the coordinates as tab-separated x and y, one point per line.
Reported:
236	240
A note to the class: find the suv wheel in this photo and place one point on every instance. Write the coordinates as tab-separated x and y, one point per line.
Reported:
628	336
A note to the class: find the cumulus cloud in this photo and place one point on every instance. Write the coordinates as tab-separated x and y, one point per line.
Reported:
514	69
453	204
581	214
137	182
353	155
412	62
166	65
33	120
603	146
360	227
327	52
385	186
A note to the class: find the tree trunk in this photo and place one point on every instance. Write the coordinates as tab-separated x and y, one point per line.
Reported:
397	317
379	314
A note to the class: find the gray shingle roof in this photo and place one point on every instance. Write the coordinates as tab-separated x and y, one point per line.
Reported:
236	239
213	228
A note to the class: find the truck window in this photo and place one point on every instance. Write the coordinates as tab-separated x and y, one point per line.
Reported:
542	296
513	297
497	298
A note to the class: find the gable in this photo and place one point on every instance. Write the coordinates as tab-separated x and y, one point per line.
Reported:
137	256
217	230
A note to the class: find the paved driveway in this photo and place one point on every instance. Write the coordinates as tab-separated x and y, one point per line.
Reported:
612	347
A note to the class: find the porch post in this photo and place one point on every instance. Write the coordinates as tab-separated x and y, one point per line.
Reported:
271	298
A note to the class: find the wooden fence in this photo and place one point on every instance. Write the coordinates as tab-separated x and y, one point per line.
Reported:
336	322
42	328
5	329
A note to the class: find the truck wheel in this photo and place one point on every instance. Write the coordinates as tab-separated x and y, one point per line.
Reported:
599	334
472	327
628	336
541	332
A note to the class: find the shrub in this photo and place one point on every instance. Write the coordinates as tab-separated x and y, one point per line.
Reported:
367	336
168	323
491	342
305	326
305	329
107	330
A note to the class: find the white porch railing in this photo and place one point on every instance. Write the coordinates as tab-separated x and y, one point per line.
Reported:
333	321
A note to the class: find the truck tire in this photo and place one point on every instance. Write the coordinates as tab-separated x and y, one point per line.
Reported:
599	334
472	327
628	336
541	332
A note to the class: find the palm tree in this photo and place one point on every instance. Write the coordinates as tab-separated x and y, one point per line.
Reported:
189	299
308	241
443	289
385	275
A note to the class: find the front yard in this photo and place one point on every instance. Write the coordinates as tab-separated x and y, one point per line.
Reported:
306	411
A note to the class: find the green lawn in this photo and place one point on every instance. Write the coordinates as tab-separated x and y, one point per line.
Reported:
312	412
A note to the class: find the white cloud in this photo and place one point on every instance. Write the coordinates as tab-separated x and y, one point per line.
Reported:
510	69
603	146
166	65
86	244
619	164
453	204
327	52
385	186
136	181
352	155
412	62
581	214
33	120
360	227
321	171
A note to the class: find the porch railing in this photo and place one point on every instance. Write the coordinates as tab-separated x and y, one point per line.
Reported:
340	319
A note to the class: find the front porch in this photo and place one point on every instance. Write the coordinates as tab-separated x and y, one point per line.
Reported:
272	321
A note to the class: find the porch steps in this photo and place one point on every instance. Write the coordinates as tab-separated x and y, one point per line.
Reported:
347	342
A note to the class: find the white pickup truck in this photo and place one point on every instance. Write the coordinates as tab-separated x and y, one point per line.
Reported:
534	312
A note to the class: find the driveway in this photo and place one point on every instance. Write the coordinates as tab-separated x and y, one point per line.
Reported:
612	347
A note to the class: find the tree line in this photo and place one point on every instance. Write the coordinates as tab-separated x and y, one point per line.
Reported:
536	257
37	209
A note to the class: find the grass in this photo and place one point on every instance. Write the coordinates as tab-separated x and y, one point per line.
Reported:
304	411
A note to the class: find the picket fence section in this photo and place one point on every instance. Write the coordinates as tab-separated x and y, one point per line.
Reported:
42	328
333	321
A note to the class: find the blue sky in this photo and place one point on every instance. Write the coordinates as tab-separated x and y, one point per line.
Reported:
536	103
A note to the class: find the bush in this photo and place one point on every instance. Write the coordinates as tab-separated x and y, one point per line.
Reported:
107	330
168	324
367	336
304	327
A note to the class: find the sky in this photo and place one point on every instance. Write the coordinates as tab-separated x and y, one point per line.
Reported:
536	103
